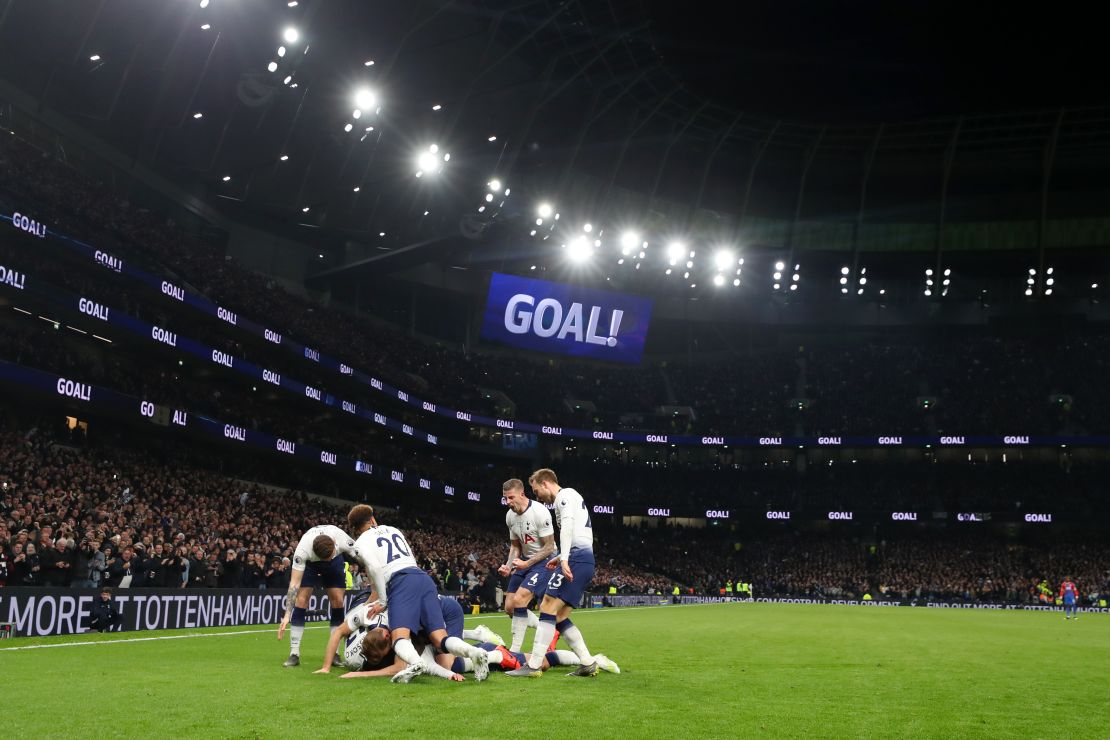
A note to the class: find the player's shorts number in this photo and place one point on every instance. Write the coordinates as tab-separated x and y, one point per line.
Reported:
555	581
533	580
398	542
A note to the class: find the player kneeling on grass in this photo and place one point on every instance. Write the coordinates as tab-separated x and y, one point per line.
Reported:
316	562
408	592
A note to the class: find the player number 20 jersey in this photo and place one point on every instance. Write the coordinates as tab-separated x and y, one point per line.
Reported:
529	528
385	550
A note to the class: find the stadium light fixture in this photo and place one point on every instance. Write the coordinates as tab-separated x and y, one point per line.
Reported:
578	251
291	35
629	240
368	63
198	115
587	227
1094	286
437	106
203	4
356	188
544	211
780	266
271	67
94	58
292	3
793	286
205	26
495	185
718	280
348	127
736	282
281	51
365	98
675	251
722	260
227	178
844	270
284	157
882	291
1028	291
304	210
492	138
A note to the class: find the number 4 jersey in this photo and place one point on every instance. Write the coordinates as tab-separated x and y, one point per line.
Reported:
529	528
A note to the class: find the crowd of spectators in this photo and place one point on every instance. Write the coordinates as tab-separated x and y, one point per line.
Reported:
974	384
74	515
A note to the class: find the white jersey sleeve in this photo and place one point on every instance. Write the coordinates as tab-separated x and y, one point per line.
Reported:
303	555
352	651
575	530
358	619
382	552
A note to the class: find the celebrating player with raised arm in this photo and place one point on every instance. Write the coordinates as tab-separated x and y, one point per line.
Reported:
574	569
531	543
316	562
408	592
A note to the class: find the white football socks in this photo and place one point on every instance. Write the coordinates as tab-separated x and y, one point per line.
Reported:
577	643
295	634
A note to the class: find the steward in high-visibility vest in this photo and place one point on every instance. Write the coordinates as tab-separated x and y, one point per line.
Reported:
612	590
348	576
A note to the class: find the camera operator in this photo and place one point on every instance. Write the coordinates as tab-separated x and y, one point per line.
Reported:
174	566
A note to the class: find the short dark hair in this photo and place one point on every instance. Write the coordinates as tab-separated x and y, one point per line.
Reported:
358	517
323	547
106	590
512	484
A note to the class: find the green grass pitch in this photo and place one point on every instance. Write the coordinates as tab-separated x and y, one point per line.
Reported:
720	670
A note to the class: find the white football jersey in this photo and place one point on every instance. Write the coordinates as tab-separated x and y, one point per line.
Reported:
357	618
574	522
528	528
352	651
384	550
303	555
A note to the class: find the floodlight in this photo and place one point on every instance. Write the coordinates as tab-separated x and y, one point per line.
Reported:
291	35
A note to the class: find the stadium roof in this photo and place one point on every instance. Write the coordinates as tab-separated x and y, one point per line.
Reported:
717	106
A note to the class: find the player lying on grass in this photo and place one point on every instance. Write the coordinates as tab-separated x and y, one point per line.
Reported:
408	592
367	648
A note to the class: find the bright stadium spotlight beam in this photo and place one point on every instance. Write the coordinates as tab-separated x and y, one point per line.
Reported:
291	35
365	99
545	210
629	241
722	260
718	280
675	251
578	251
495	185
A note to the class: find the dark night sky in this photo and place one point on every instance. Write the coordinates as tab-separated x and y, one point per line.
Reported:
899	59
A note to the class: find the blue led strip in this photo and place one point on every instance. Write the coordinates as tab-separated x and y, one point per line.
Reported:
174	292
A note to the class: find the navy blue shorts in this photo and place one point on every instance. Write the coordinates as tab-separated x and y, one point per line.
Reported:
534	579
413	602
452	616
582	566
325	573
